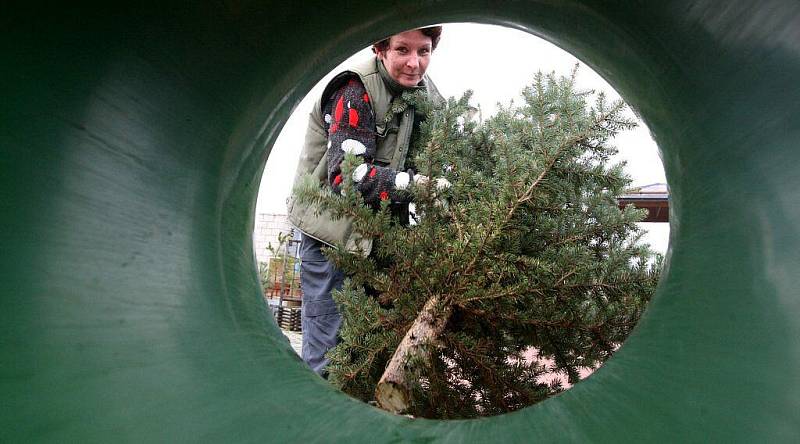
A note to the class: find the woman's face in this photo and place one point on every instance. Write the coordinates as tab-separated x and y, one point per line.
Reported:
407	57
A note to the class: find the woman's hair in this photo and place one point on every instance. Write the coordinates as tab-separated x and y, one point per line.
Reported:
434	32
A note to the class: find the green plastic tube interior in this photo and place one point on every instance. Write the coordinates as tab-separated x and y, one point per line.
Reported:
132	144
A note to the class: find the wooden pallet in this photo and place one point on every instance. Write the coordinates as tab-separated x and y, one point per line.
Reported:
288	318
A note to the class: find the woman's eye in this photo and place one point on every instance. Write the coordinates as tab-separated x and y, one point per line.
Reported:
401	50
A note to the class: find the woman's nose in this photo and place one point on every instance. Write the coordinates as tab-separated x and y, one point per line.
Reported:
412	61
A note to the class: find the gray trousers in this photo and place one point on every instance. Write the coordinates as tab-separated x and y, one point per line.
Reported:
320	317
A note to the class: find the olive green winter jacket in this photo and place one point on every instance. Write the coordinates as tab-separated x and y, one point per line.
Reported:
392	142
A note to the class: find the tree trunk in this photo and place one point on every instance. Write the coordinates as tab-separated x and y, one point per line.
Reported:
393	391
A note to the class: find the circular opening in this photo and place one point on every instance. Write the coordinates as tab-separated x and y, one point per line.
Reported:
460	63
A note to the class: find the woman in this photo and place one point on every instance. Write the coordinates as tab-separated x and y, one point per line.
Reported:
349	117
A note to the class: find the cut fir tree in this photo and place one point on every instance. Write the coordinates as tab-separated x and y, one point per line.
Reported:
524	267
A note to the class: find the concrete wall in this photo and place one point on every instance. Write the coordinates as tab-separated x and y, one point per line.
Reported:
266	230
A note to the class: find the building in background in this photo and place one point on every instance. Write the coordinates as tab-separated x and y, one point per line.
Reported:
279	267
653	197
267	228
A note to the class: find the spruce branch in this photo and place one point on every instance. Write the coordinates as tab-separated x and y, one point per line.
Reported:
531	252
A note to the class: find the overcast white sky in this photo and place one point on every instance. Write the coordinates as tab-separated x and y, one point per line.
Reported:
496	63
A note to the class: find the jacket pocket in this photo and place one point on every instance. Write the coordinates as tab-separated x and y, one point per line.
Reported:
386	139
